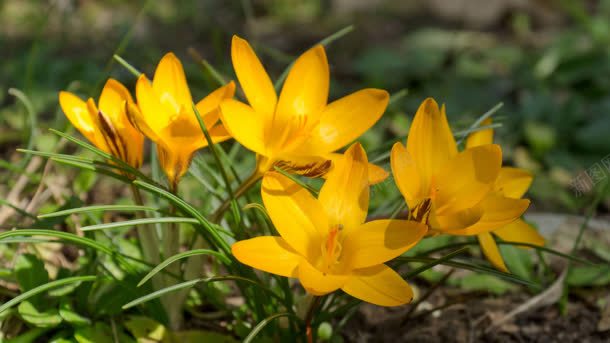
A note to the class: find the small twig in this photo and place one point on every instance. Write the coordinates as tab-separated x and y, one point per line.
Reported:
22	182
548	297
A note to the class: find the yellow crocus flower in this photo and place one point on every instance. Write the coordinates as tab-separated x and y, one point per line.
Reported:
107	127
512	183
452	191
326	243
298	130
165	115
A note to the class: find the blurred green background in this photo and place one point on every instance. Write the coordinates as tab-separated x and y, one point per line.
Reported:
548	62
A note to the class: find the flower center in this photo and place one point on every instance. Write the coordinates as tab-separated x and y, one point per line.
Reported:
421	212
331	248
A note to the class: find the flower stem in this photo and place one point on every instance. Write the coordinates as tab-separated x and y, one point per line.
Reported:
147	235
171	246
309	316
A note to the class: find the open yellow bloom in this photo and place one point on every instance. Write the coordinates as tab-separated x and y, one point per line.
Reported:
165	115
107	127
452	191
326	243
511	183
298	130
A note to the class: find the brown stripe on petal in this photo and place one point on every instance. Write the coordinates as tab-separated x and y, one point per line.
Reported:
111	136
314	169
421	212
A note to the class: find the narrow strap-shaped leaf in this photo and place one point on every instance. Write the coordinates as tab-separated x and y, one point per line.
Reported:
482	118
18	209
58	234
326	41
473	267
296	180
31	118
179	256
105	155
70	237
141	221
91	167
135	72
190	283
82	162
212	145
264	323
431	264
191	211
529	245
45	287
398	96
96	208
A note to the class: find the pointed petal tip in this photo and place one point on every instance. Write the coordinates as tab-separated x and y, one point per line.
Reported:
430	106
321	52
169	56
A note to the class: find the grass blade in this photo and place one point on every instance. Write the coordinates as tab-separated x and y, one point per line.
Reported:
119	163
190	283
326	41
179	256
533	246
161	292
431	264
42	288
96	208
473	267
31	115
264	323
186	208
61	235
482	118
141	221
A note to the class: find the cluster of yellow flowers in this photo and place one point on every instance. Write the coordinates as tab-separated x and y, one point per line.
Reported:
325	242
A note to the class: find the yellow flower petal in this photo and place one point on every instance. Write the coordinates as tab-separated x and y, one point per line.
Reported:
406	175
430	141
345	194
305	91
209	107
466	179
253	78
170	83
270	254
344	120
296	214
218	134
379	285
513	182
376	173
174	162
494	212
137	119
126	138
520	231
153	113
317	283
244	124
379	241
112	102
491	251
481	137
78	114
